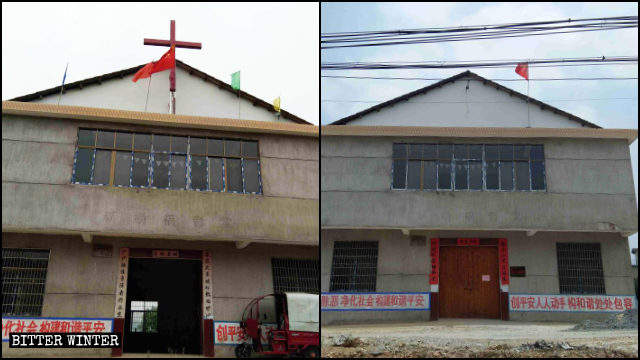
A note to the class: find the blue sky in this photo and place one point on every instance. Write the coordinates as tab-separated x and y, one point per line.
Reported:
620	113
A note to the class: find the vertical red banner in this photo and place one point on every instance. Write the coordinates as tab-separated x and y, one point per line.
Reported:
503	255
435	256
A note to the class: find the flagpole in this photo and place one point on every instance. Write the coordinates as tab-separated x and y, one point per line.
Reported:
528	118
62	87
148	88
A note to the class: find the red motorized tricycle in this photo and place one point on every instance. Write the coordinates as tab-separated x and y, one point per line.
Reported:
289	322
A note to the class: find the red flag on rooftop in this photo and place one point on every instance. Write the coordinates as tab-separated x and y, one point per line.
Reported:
523	70
166	62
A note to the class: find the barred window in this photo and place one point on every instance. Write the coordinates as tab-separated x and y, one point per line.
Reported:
126	159
355	266
24	273
295	275
144	316
468	167
580	268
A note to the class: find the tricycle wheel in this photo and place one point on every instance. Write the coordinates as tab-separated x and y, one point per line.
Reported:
312	352
243	351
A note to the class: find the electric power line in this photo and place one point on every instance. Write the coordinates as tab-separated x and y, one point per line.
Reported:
438	79
487	64
481	102
476	32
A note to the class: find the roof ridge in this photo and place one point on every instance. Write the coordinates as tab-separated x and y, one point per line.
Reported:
443	82
190	69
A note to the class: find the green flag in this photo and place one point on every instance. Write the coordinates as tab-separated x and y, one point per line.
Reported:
235	80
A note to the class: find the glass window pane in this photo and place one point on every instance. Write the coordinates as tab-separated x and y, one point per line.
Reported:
415	151
537	175
475	175
444	174
123	168
215	174
151	305
102	168
445	151
399	174
198	146
161	170
137	305
178	178
506	175
140	169
460	151
492	175
250	149
232	147
86	137
251	175
105	138
429	151
234	175
199	172
124	140
151	321
461	175
136	321
506	152
215	147
179	144
491	152
413	177
522	175
161	142
430	175
537	152
475	152
399	151
142	141
521	152
84	162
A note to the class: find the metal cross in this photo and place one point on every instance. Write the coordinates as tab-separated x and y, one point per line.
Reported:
178	44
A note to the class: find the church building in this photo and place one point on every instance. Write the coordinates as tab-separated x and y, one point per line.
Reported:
466	199
118	216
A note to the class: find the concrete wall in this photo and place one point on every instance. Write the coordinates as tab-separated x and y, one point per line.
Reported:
455	105
589	188
81	285
403	267
37	161
193	97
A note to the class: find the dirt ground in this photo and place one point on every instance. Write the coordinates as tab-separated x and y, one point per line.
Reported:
476	338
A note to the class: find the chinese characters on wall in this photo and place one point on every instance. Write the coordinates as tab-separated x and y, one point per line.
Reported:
230	333
435	255
121	284
503	256
58	325
582	303
374	301
207	289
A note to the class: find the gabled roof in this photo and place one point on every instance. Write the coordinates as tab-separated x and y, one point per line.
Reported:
452	79
191	70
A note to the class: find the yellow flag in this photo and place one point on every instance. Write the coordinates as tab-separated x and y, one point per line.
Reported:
276	104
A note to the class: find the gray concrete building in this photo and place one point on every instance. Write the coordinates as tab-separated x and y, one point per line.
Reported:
463	200
161	227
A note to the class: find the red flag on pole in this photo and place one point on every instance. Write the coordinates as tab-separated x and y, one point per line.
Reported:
523	70
166	62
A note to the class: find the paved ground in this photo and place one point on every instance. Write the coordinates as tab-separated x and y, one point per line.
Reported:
477	338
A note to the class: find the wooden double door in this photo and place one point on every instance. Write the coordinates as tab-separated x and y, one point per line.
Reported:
469	282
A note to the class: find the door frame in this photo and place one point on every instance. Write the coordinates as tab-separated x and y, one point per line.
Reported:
206	325
503	267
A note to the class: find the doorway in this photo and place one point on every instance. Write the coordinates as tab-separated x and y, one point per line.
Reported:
163	313
469	284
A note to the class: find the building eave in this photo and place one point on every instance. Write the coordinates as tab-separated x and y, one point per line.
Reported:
155	119
479	132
